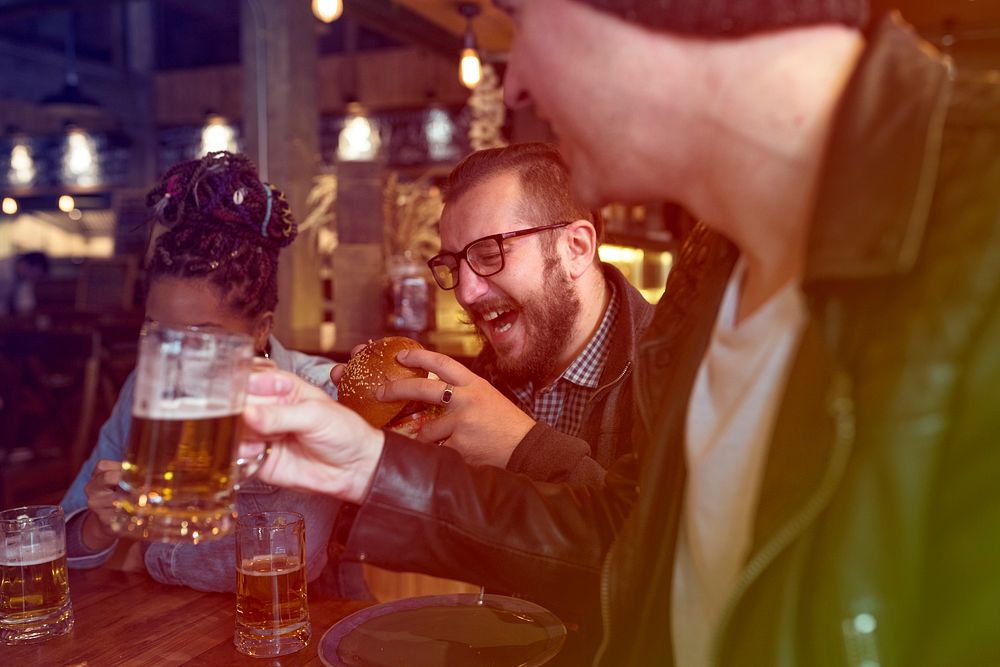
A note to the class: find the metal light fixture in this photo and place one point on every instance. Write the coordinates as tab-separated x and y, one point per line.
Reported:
470	68
69	102
327	11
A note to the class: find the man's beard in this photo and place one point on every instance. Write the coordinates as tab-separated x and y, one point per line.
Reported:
548	321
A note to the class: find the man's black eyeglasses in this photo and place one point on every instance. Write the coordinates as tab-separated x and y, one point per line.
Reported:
484	256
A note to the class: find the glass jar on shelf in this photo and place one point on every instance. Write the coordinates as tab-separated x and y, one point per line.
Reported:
409	297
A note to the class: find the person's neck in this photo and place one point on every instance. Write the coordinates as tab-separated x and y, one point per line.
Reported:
591	314
762	169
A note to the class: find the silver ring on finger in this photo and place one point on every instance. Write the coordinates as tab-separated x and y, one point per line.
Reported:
449	391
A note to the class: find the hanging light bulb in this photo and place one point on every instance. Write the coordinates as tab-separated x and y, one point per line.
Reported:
66	203
327	11
217	135
470	68
359	139
9	205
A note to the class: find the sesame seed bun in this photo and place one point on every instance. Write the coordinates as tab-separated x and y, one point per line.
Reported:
374	365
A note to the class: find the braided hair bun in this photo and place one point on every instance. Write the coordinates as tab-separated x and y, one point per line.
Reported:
223	189
223	225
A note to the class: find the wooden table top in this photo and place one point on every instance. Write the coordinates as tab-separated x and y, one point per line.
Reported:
129	619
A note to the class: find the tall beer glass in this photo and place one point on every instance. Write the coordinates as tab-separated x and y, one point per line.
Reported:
272	611
34	587
180	472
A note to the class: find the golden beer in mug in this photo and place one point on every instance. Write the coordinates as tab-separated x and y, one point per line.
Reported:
272	607
34	586
180	472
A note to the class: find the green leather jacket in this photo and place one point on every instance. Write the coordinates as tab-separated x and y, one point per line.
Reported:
877	535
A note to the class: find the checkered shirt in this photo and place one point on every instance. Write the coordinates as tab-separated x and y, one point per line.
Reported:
561	404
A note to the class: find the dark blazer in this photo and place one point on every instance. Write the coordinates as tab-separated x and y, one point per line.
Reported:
605	434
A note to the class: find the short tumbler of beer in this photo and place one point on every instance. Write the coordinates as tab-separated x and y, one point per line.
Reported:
272	611
34	588
180	472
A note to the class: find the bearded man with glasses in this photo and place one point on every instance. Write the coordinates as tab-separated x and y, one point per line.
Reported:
550	395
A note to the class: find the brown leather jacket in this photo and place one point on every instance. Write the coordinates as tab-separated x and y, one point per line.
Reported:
877	535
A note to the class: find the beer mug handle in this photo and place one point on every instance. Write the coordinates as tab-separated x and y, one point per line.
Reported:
247	467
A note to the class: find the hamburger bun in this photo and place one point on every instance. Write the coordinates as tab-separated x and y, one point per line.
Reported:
374	365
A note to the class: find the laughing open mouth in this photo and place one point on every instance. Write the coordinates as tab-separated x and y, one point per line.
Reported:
500	320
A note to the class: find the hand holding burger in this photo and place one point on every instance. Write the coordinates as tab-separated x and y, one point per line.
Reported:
456	408
370	367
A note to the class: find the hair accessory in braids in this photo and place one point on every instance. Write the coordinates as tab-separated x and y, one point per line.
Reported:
267	213
224	226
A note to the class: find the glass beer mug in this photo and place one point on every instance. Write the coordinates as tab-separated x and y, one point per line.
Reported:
181	471
272	607
34	587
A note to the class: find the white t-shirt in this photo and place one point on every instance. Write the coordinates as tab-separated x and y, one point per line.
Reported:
730	420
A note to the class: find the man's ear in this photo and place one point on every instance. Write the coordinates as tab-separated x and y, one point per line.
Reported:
262	330
580	246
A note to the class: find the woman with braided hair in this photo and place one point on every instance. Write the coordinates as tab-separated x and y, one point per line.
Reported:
213	263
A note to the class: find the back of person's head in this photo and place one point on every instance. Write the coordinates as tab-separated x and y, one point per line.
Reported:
35	263
734	18
543	176
222	225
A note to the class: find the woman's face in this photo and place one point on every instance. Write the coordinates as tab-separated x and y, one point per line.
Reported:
193	302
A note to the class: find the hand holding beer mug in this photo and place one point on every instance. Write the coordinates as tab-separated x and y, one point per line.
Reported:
181	472
34	587
272	611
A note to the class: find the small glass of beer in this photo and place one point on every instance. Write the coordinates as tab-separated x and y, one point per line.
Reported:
181	470
34	587
272	611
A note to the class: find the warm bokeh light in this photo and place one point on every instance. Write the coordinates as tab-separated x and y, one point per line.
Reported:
9	205
217	135
22	165
470	68
66	203
80	158
327	11
359	140
75	214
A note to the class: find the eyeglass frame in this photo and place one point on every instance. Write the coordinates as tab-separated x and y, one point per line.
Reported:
499	238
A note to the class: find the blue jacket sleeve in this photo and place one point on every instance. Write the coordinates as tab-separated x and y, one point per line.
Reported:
111	446
211	566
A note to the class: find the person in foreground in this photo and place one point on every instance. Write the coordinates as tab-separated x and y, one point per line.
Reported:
214	265
550	395
817	388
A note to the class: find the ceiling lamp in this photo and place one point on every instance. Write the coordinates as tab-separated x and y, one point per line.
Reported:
470	69
69	102
217	135
327	11
359	139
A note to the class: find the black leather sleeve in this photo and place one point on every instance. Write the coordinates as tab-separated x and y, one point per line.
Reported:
430	512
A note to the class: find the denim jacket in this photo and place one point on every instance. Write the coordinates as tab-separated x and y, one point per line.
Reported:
208	565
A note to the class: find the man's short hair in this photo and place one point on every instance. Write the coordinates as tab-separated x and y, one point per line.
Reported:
542	174
734	18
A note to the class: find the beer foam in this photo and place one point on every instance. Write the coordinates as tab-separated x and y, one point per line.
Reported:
184	408
31	549
262	566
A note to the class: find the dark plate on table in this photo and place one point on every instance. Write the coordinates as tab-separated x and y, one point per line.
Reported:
445	631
